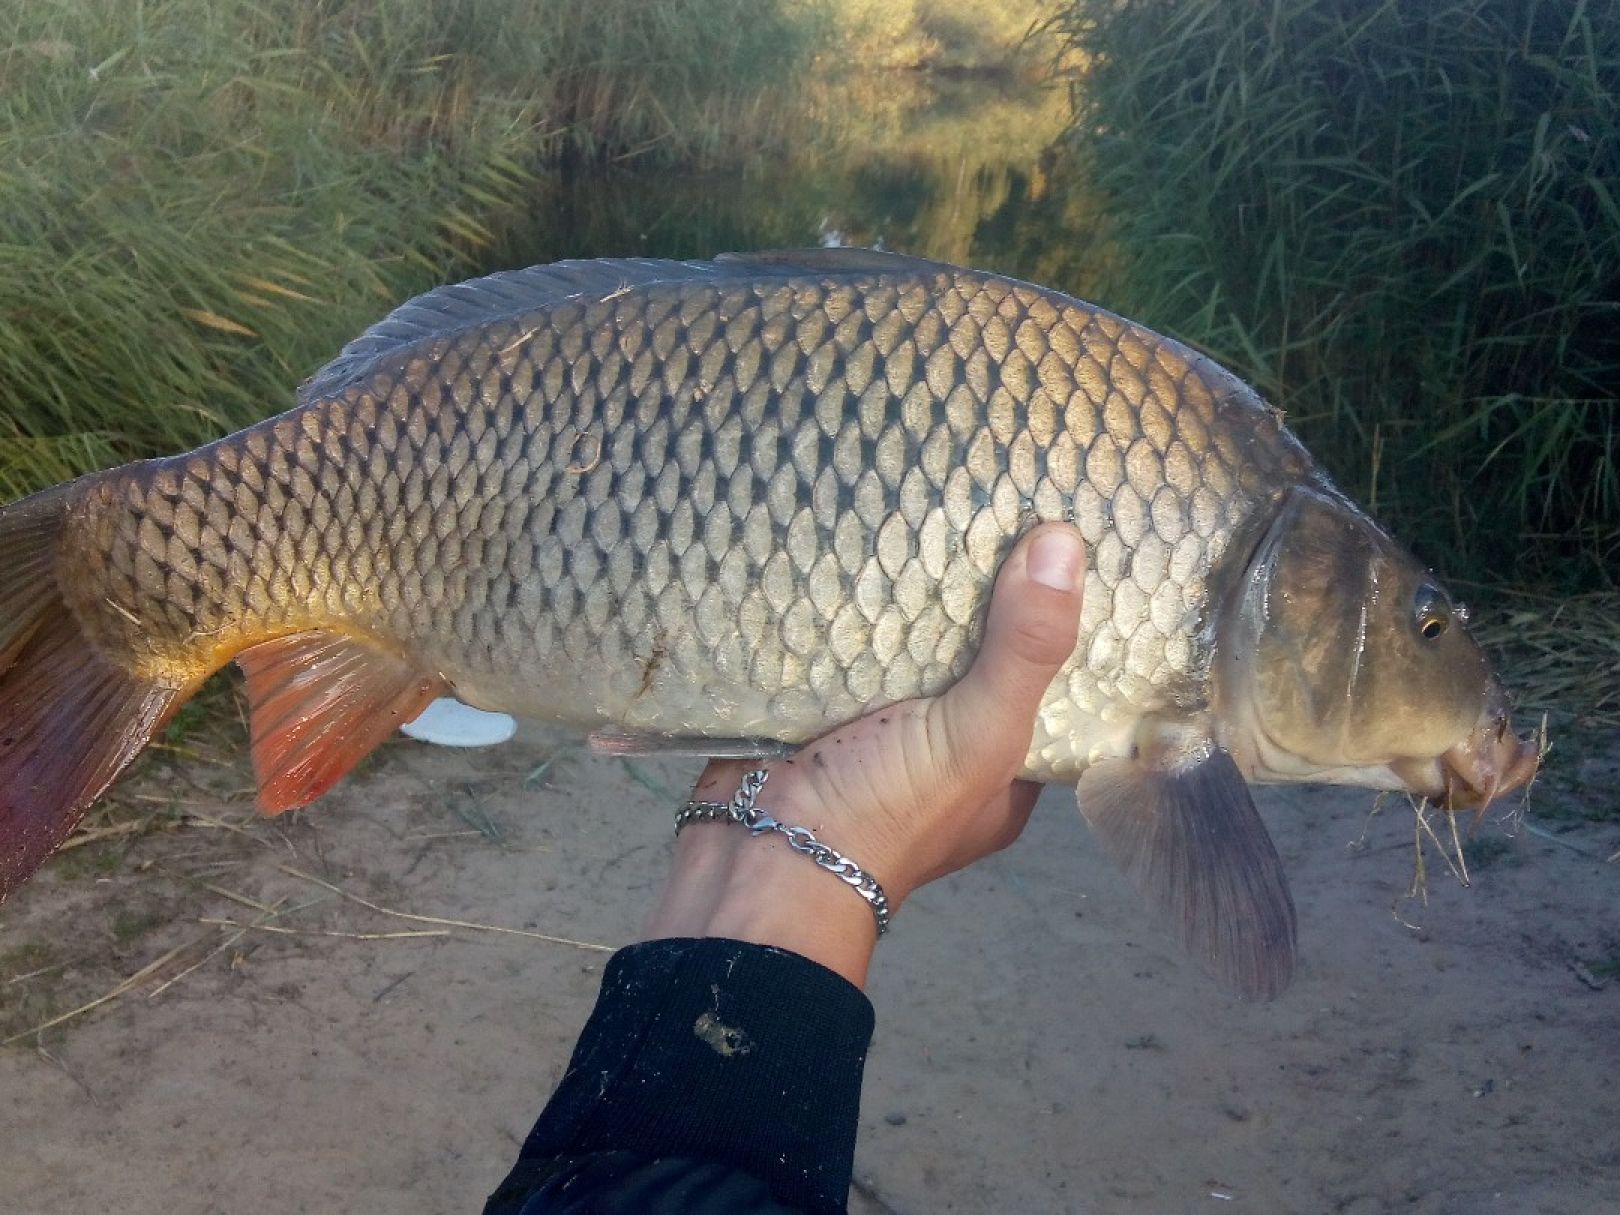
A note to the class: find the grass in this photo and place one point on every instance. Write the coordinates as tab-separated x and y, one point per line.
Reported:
200	202
695	82
1560	657
1401	222
972	36
1562	653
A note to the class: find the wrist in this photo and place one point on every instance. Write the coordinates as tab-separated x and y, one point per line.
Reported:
727	882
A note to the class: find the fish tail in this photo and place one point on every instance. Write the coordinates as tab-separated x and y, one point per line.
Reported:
70	719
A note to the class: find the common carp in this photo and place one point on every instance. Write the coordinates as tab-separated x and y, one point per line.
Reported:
724	506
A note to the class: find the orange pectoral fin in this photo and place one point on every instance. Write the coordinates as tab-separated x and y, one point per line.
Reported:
320	703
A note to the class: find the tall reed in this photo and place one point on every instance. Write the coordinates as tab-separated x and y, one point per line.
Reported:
199	202
1400	220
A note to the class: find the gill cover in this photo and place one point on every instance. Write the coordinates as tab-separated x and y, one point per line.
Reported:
1341	654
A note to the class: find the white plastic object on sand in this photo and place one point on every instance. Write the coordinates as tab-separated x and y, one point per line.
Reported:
449	723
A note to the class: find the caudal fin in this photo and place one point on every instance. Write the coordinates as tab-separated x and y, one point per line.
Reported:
70	720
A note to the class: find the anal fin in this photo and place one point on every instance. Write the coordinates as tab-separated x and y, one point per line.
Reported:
1192	842
320	703
646	742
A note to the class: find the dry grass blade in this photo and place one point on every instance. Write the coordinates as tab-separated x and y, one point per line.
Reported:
128	984
441	921
38	971
244	900
1560	652
195	966
1423	829
269	913
94	835
409	934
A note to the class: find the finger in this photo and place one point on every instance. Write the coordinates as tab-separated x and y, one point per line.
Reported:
1033	622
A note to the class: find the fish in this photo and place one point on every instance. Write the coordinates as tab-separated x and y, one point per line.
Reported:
720	507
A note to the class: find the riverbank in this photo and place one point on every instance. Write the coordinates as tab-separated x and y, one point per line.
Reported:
326	1012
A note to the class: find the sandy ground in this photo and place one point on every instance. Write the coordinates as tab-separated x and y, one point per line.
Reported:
1039	1046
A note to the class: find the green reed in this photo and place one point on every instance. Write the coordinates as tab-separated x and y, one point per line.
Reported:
199	202
1400	221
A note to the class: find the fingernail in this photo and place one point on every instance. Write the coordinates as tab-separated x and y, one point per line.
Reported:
1054	560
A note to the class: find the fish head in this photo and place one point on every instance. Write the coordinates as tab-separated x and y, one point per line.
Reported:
1341	658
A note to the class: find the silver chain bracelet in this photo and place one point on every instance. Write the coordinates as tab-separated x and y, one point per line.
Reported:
742	810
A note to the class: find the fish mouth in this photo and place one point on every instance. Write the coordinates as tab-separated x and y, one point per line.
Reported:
1490	762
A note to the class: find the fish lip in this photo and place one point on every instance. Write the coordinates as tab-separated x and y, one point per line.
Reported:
1490	763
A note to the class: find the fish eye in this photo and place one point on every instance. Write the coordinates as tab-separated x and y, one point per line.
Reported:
1432	612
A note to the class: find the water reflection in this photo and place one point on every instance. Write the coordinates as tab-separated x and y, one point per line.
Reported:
954	168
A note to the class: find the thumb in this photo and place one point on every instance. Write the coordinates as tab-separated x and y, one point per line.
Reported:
1031	630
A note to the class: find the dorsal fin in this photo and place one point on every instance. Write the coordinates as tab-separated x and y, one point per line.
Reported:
495	297
835	260
457	306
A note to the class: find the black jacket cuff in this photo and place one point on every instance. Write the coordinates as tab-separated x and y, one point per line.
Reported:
720	1050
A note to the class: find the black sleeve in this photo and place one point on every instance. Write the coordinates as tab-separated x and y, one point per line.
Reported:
713	1076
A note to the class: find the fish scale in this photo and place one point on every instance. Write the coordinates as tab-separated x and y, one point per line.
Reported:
745	508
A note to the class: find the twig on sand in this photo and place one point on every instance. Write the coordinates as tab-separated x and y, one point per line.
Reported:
440	921
131	981
194	818
270	912
91	835
237	929
233	896
43	970
1456	843
200	962
39	1049
411	933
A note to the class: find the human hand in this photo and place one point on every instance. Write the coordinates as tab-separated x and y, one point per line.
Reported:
910	792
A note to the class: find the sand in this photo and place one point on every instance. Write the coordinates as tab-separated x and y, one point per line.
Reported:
1040	1046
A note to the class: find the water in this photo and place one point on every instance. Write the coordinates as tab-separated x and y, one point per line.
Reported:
956	168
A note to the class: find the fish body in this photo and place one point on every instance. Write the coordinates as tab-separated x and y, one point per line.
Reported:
742	501
739	505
